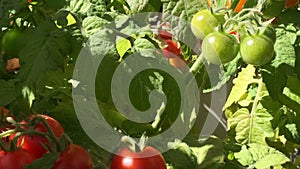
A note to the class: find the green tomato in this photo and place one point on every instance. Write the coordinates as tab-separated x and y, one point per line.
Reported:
11	42
270	33
273	8
219	47
257	49
205	22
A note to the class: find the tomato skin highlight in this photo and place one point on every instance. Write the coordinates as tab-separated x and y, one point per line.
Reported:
257	50
15	159
219	47
149	158
74	157
204	22
33	143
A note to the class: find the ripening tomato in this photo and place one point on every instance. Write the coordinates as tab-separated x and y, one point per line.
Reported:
205	22
35	144
149	158
163	33
12	64
220	47
257	49
228	3
291	3
172	50
15	159
74	157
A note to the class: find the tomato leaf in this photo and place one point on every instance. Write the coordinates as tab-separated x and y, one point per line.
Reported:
7	89
275	73
180	155
183	9
137	6
241	84
251	129
260	156
80	6
45	162
92	24
210	154
46	50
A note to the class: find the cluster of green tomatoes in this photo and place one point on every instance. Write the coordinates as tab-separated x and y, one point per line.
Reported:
224	38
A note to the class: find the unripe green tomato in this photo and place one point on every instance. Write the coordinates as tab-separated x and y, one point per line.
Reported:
220	47
205	22
11	42
257	50
273	8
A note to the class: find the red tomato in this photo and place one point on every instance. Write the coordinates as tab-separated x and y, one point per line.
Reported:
35	144
74	157
163	33
172	47
15	159
12	64
149	158
291	3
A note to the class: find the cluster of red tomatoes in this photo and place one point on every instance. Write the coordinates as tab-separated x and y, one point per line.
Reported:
26	141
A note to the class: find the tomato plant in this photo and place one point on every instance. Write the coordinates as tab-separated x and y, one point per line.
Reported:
15	159
148	158
205	22
257	49
216	45
258	65
74	157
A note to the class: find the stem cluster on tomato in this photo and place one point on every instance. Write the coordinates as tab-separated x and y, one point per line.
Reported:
35	144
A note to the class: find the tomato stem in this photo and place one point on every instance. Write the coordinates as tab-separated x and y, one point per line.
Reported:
50	134
197	65
254	107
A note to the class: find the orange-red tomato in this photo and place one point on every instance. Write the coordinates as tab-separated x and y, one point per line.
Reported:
291	3
228	3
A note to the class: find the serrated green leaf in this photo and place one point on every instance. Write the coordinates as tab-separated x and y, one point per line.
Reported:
91	25
260	156
210	154
123	45
180	156
47	49
79	6
240	87
137	6
251	129
45	162
7	91
275	74
183	9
